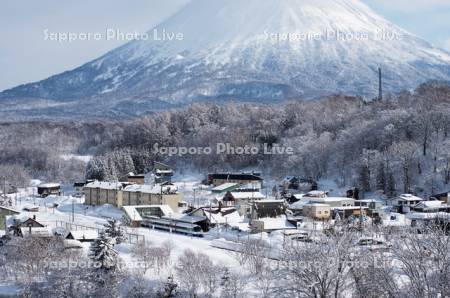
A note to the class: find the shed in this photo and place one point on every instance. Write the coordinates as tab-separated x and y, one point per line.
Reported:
46	189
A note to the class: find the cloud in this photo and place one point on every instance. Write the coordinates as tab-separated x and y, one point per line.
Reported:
446	45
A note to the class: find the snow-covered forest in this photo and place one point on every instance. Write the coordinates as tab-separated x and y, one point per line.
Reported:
398	144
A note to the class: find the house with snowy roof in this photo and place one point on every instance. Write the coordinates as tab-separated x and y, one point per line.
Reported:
242	200
121	194
159	194
162	172
101	192
269	224
403	203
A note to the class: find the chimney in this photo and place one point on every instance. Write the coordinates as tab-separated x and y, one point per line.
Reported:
380	85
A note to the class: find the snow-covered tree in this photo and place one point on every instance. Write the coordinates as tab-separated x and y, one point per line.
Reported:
114	230
102	251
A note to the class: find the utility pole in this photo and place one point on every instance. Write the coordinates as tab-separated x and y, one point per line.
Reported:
73	211
4	187
380	85
195	202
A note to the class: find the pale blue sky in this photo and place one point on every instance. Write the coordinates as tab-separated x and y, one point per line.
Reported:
25	56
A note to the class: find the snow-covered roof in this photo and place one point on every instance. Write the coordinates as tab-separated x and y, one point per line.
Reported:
133	211
105	185
247	195
279	223
370	201
71	243
10	209
331	200
422	216
158	171
219	218
84	235
271	201
151	189
49	185
224	186
299	196
429	204
316	205
409	197
298	205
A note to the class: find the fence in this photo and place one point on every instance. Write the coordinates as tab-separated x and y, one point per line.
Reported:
130	238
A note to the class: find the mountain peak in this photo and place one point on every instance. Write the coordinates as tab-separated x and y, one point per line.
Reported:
252	50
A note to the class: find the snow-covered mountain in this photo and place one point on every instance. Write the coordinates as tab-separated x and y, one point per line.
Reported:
253	50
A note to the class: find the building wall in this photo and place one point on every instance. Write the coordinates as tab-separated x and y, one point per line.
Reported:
99	196
317	212
256	184
137	180
119	198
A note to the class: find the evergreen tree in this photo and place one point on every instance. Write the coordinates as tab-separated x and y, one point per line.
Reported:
102	251
391	188
114	230
381	178
364	179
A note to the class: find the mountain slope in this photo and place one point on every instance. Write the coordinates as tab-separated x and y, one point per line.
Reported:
234	49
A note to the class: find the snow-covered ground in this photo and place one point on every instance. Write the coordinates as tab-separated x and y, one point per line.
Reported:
71	210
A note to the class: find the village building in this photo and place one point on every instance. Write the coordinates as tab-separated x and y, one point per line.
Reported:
162	217
99	193
25	226
405	202
121	194
4	213
79	187
136	179
444	197
430	207
252	180
298	184
317	211
242	201
163	173
47	189
151	195
268	208
334	202
269	224
135	214
218	215
374	207
27	222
